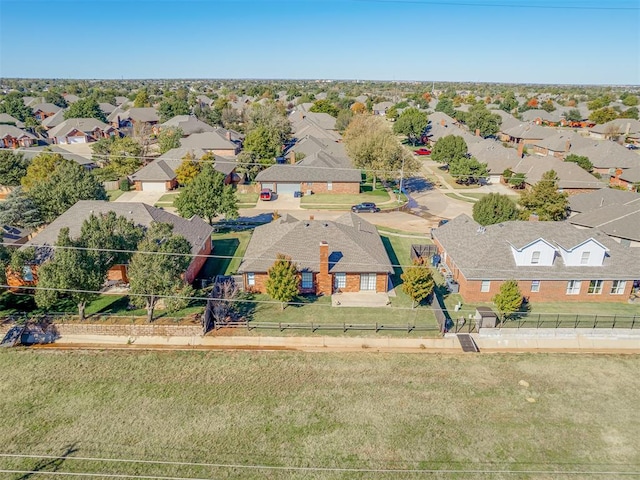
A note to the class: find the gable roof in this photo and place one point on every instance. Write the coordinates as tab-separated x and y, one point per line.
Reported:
46	107
607	154
213	140
622	221
142	114
31	152
85	125
621	125
13	131
497	157
107	108
319	167
194	229
570	175
6	118
529	131
354	245
164	167
54	120
189	124
564	141
310	145
586	202
508	120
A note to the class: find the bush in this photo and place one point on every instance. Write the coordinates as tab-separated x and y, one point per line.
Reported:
124	185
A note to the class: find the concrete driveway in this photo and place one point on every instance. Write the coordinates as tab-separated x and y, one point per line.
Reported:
150	198
280	203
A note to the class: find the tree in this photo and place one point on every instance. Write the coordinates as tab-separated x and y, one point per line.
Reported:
67	184
85	108
573	115
187	170
56	98
494	208
324	106
448	149
169	138
509	300
13	167
207	196
40	168
411	123
479	118
271	117
72	272
509	102
118	156
20	211
343	119
142	99
392	113
545	200
603	115
417	281
283	281
630	113
630	100
171	107
548	106
264	143
156	269
221	306
358	107
14	106
445	105
467	170
582	161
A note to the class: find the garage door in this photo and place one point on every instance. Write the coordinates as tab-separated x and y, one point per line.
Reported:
287	188
153	187
268	185
82	139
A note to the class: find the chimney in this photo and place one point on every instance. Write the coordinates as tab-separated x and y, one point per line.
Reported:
533	217
567	146
324	258
442	122
521	149
311	217
477	132
228	135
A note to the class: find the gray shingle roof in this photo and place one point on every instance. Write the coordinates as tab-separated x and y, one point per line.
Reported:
13	131
559	141
142	114
488	256
354	245
311	145
6	118
79	159
508	120
620	125
631	175
622	221
46	107
570	175
188	124
320	167
86	125
497	157
163	168
607	154
529	131
585	202
213	140
54	120
194	229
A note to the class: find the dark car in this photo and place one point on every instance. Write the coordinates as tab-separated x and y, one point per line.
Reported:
266	194
422	151
365	207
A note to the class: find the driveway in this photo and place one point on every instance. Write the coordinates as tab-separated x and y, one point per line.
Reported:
150	198
279	203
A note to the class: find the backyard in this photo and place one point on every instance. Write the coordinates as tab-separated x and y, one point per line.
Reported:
284	415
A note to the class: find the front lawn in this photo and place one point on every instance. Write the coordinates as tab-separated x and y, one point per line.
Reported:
247	200
112	195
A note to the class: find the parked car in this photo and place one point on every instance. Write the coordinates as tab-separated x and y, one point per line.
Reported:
365	207
266	194
442	222
631	146
422	151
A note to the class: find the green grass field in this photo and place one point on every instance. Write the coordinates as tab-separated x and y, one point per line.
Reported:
112	195
327	410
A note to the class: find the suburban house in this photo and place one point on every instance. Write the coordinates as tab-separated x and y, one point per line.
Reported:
160	174
561	144
551	261
44	110
300	119
107	108
497	157
87	163
307	146
317	173
187	123
195	230
572	178
70	98
120	118
345	255
629	178
508	120
219	141
441	125
525	134
607	157
53	120
7	119
13	137
627	129
80	130
381	108
542	117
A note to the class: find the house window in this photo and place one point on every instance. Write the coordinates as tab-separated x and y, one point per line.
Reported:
307	280
618	287
595	287
485	286
329	186
535	258
251	279
535	286
573	287
584	260
368	281
341	280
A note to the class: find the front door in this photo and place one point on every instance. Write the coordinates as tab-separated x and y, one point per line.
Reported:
368	281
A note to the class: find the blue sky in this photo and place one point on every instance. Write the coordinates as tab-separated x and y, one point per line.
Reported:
530	41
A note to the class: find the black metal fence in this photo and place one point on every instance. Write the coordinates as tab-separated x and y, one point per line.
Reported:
315	327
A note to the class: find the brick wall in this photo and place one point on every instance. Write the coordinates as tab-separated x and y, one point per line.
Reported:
352	284
337	187
129	330
197	262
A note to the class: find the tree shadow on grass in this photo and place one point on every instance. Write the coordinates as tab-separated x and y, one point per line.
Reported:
397	271
49	464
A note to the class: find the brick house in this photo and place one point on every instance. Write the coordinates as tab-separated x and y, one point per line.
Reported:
80	130
551	261
345	255
317	173
44	110
220	141
13	137
195	230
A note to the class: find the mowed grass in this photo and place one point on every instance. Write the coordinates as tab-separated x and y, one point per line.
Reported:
231	246
112	195
331	410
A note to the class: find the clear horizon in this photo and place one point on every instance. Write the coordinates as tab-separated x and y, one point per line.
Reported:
478	41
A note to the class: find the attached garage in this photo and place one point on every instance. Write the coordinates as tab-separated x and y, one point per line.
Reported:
267	185
287	188
154	186
78	139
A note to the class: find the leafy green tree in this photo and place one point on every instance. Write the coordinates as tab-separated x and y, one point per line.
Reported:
208	115
56	98
324	106
509	102
445	105
169	138
283	281
582	161
418	282
187	170
599	103
467	170
40	168
14	106
118	156
630	100
207	196
343	119
545	200
156	269
171	107
72	273
142	99
479	118
548	106
449	149
20	211
264	143
392	113
67	184
573	115
630	113
5	258
509	300
494	208
603	115
13	166
85	108
411	123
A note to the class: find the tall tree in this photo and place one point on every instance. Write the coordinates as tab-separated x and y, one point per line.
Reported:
188	169
13	166
581	160
14	106
324	106
266	144
207	196
67	184
479	118
282	284
573	115
467	170
449	149
509	299
171	107
509	102
445	105
603	115
169	138
411	123
142	99
418	282
118	156
494	208
19	210
545	200
56	98
85	108
156	269
73	273
343	119
40	168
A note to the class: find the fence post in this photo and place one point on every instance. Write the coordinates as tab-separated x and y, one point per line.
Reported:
595	320
633	322
576	324
614	320
344	326
376	327
558	320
